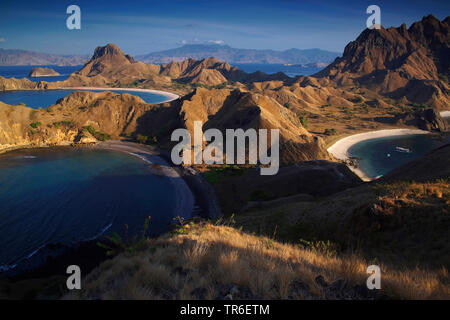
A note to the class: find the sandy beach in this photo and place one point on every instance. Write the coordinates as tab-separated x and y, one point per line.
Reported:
445	114
184	197
340	149
170	96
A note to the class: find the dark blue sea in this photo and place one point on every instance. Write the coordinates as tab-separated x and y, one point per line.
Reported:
67	195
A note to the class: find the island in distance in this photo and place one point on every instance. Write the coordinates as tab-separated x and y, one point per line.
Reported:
43	72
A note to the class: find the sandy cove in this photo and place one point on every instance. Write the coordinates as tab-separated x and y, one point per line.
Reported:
184	197
340	148
169	95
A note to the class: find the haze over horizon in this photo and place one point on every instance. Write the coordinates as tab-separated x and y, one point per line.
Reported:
151	26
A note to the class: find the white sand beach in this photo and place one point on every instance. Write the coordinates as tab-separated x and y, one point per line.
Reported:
445	114
170	96
340	148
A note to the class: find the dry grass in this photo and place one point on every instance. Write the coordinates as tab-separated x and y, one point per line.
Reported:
205	259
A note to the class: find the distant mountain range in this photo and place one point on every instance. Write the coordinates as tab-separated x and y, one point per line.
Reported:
11	57
234	55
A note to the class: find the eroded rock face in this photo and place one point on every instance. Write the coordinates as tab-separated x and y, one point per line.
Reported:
66	122
398	62
429	119
16	84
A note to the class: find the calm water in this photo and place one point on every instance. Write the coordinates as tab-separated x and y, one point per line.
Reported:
66	195
291	71
20	72
44	98
378	156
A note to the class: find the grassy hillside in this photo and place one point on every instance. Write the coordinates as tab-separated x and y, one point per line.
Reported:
207	261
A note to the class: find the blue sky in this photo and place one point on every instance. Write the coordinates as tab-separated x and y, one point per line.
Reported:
145	26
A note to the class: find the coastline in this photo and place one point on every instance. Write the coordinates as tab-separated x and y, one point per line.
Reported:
340	148
169	95
88	252
185	197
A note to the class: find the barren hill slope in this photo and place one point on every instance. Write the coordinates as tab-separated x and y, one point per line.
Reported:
399	62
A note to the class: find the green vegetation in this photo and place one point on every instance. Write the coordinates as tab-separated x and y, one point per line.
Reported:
358	99
146	140
35	125
181	227
141	138
443	78
418	106
217	174
304	121
65	123
330	132
130	246
101	136
287	105
219	86
21	104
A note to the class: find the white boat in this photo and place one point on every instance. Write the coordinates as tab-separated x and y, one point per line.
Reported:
403	150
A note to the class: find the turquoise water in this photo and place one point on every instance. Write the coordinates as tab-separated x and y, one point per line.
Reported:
44	98
379	156
66	195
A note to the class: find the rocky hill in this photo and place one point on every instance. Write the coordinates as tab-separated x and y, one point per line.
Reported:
43	72
74	118
110	66
409	64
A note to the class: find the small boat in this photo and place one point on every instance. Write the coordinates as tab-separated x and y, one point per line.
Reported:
403	150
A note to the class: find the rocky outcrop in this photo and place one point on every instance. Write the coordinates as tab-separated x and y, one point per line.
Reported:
16	84
398	62
232	109
43	72
428	119
81	117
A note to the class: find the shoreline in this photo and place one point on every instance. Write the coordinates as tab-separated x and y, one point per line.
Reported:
340	148
169	95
